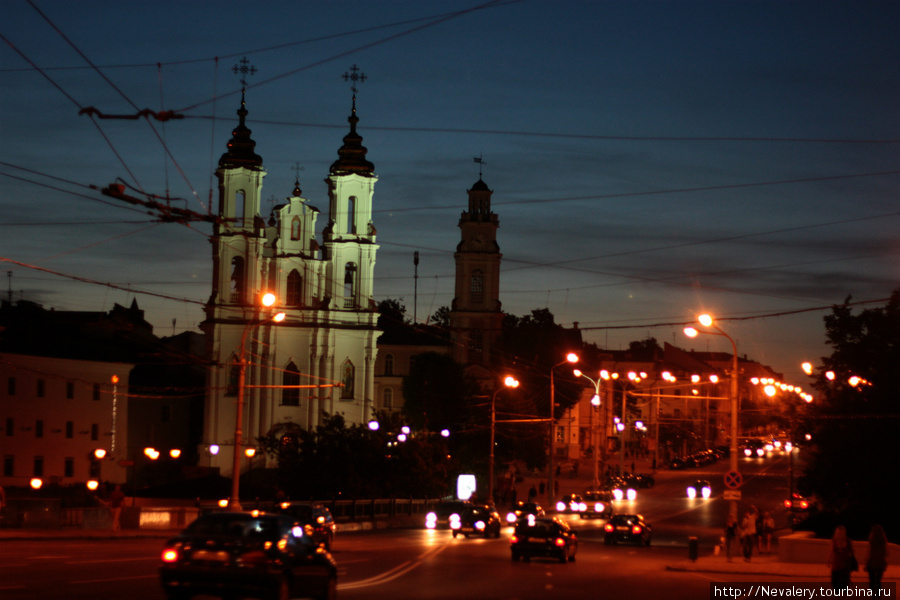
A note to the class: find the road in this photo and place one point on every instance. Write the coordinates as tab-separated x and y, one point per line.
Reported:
422	564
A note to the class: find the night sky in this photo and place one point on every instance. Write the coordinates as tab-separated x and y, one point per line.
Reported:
649	160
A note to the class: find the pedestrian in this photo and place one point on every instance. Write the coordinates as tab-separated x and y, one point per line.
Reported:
841	560
532	493
730	535
748	534
768	529
116	499
876	563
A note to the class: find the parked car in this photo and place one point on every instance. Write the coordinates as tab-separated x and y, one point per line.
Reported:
628	528
264	555
480	519
439	518
315	515
523	509
545	537
699	489
597	504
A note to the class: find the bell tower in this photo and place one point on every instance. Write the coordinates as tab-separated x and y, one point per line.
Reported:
475	315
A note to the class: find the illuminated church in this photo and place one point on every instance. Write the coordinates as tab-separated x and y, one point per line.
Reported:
324	350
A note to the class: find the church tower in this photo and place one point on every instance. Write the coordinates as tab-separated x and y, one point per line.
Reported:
475	315
320	359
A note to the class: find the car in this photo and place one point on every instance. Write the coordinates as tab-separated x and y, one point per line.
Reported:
571	504
597	504
317	516
263	555
523	509
753	448
620	488
627	528
479	519
439	518
699	489
549	537
797	503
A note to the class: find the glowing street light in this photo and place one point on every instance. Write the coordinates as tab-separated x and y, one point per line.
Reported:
595	402
510	382
572	358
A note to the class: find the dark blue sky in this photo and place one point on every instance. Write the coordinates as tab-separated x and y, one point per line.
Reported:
649	160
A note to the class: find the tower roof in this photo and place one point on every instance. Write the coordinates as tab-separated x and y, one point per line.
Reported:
352	155
240	146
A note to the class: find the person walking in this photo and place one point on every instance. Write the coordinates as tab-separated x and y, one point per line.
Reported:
768	529
748	534
841	560
876	563
116	500
731	527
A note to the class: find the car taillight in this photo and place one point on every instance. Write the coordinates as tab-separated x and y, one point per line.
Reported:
636	529
788	503
170	555
513	539
609	527
804	504
559	542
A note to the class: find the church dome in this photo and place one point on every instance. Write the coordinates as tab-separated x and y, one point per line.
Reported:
240	146
352	155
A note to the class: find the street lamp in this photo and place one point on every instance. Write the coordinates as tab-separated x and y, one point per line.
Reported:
707	321
510	382
571	357
595	404
268	300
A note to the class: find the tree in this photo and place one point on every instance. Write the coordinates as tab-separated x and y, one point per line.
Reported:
854	451
441	317
392	314
434	393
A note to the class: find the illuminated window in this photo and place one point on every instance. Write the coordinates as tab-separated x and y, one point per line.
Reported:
290	379
476	287
294	289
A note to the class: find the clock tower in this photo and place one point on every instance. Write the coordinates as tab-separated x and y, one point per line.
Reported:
475	315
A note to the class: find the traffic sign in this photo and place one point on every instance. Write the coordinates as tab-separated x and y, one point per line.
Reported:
732	494
733	480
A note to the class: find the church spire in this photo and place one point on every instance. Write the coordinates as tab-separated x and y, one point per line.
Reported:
352	155
240	146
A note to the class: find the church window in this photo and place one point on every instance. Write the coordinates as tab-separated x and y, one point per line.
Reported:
476	346
388	399
476	287
351	214
290	393
350	285
348	378
237	279
240	199
389	364
294	289
295	228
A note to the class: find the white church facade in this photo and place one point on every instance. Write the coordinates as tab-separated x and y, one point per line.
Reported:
321	358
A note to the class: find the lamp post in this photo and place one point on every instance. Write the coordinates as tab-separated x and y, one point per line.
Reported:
595	404
571	357
510	382
707	321
268	300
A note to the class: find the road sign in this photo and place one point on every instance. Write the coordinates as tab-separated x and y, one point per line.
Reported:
732	494
733	480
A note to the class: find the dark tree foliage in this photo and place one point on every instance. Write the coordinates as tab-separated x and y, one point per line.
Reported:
339	461
441	317
854	452
435	393
391	314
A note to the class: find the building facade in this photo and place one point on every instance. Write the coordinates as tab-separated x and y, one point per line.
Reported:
321	358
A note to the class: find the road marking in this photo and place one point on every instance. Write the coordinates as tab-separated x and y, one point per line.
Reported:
392	574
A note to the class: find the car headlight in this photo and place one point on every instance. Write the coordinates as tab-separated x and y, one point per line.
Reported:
748	452
511	517
598	507
632	494
561	506
691	492
479	525
618	495
707	492
582	507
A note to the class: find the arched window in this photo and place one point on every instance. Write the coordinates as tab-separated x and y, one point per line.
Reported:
290	393
240	199
351	214
387	400
476	287
348	378
237	279
295	228
294	289
350	285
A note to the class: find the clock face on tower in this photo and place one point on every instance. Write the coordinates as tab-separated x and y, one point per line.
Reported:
479	240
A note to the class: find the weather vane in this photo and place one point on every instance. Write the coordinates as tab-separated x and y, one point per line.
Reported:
481	164
243	68
354	76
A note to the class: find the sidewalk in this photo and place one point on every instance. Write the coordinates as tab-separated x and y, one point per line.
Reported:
769	565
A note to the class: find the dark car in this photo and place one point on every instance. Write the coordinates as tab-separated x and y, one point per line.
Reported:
439	518
699	489
264	555
621	488
543	536
597	504
571	504
628	528
523	509
317	516
479	519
